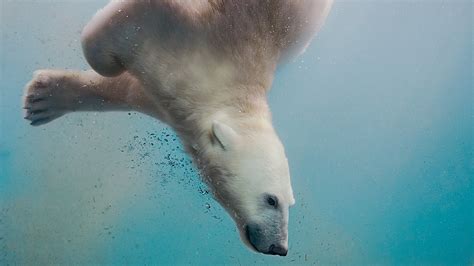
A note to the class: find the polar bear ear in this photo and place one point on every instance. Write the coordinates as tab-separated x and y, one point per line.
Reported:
224	134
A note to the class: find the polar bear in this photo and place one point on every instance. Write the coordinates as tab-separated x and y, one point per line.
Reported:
204	67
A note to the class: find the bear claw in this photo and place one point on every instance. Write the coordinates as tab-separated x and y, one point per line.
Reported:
41	101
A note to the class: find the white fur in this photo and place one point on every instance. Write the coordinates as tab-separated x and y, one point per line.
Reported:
204	68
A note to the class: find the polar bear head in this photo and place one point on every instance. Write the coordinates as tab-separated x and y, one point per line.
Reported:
248	173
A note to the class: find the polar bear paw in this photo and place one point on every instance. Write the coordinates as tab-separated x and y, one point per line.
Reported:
46	97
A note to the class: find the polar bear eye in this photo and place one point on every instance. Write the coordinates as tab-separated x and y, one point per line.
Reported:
272	201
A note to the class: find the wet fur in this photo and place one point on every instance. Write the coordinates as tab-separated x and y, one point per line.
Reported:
194	66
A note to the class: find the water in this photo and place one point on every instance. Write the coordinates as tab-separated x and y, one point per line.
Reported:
376	118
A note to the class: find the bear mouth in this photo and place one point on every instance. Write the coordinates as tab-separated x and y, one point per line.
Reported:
272	250
247	236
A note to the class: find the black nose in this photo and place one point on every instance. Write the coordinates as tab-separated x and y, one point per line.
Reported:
278	250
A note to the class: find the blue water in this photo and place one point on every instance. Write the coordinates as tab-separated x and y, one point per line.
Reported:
376	117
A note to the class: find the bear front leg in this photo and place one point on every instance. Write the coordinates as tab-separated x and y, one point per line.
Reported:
53	93
110	39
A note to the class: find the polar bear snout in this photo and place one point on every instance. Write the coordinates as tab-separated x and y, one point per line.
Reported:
266	240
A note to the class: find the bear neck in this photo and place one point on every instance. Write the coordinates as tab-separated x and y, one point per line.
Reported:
246	115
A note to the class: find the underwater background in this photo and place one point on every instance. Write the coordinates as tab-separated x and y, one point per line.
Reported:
376	118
